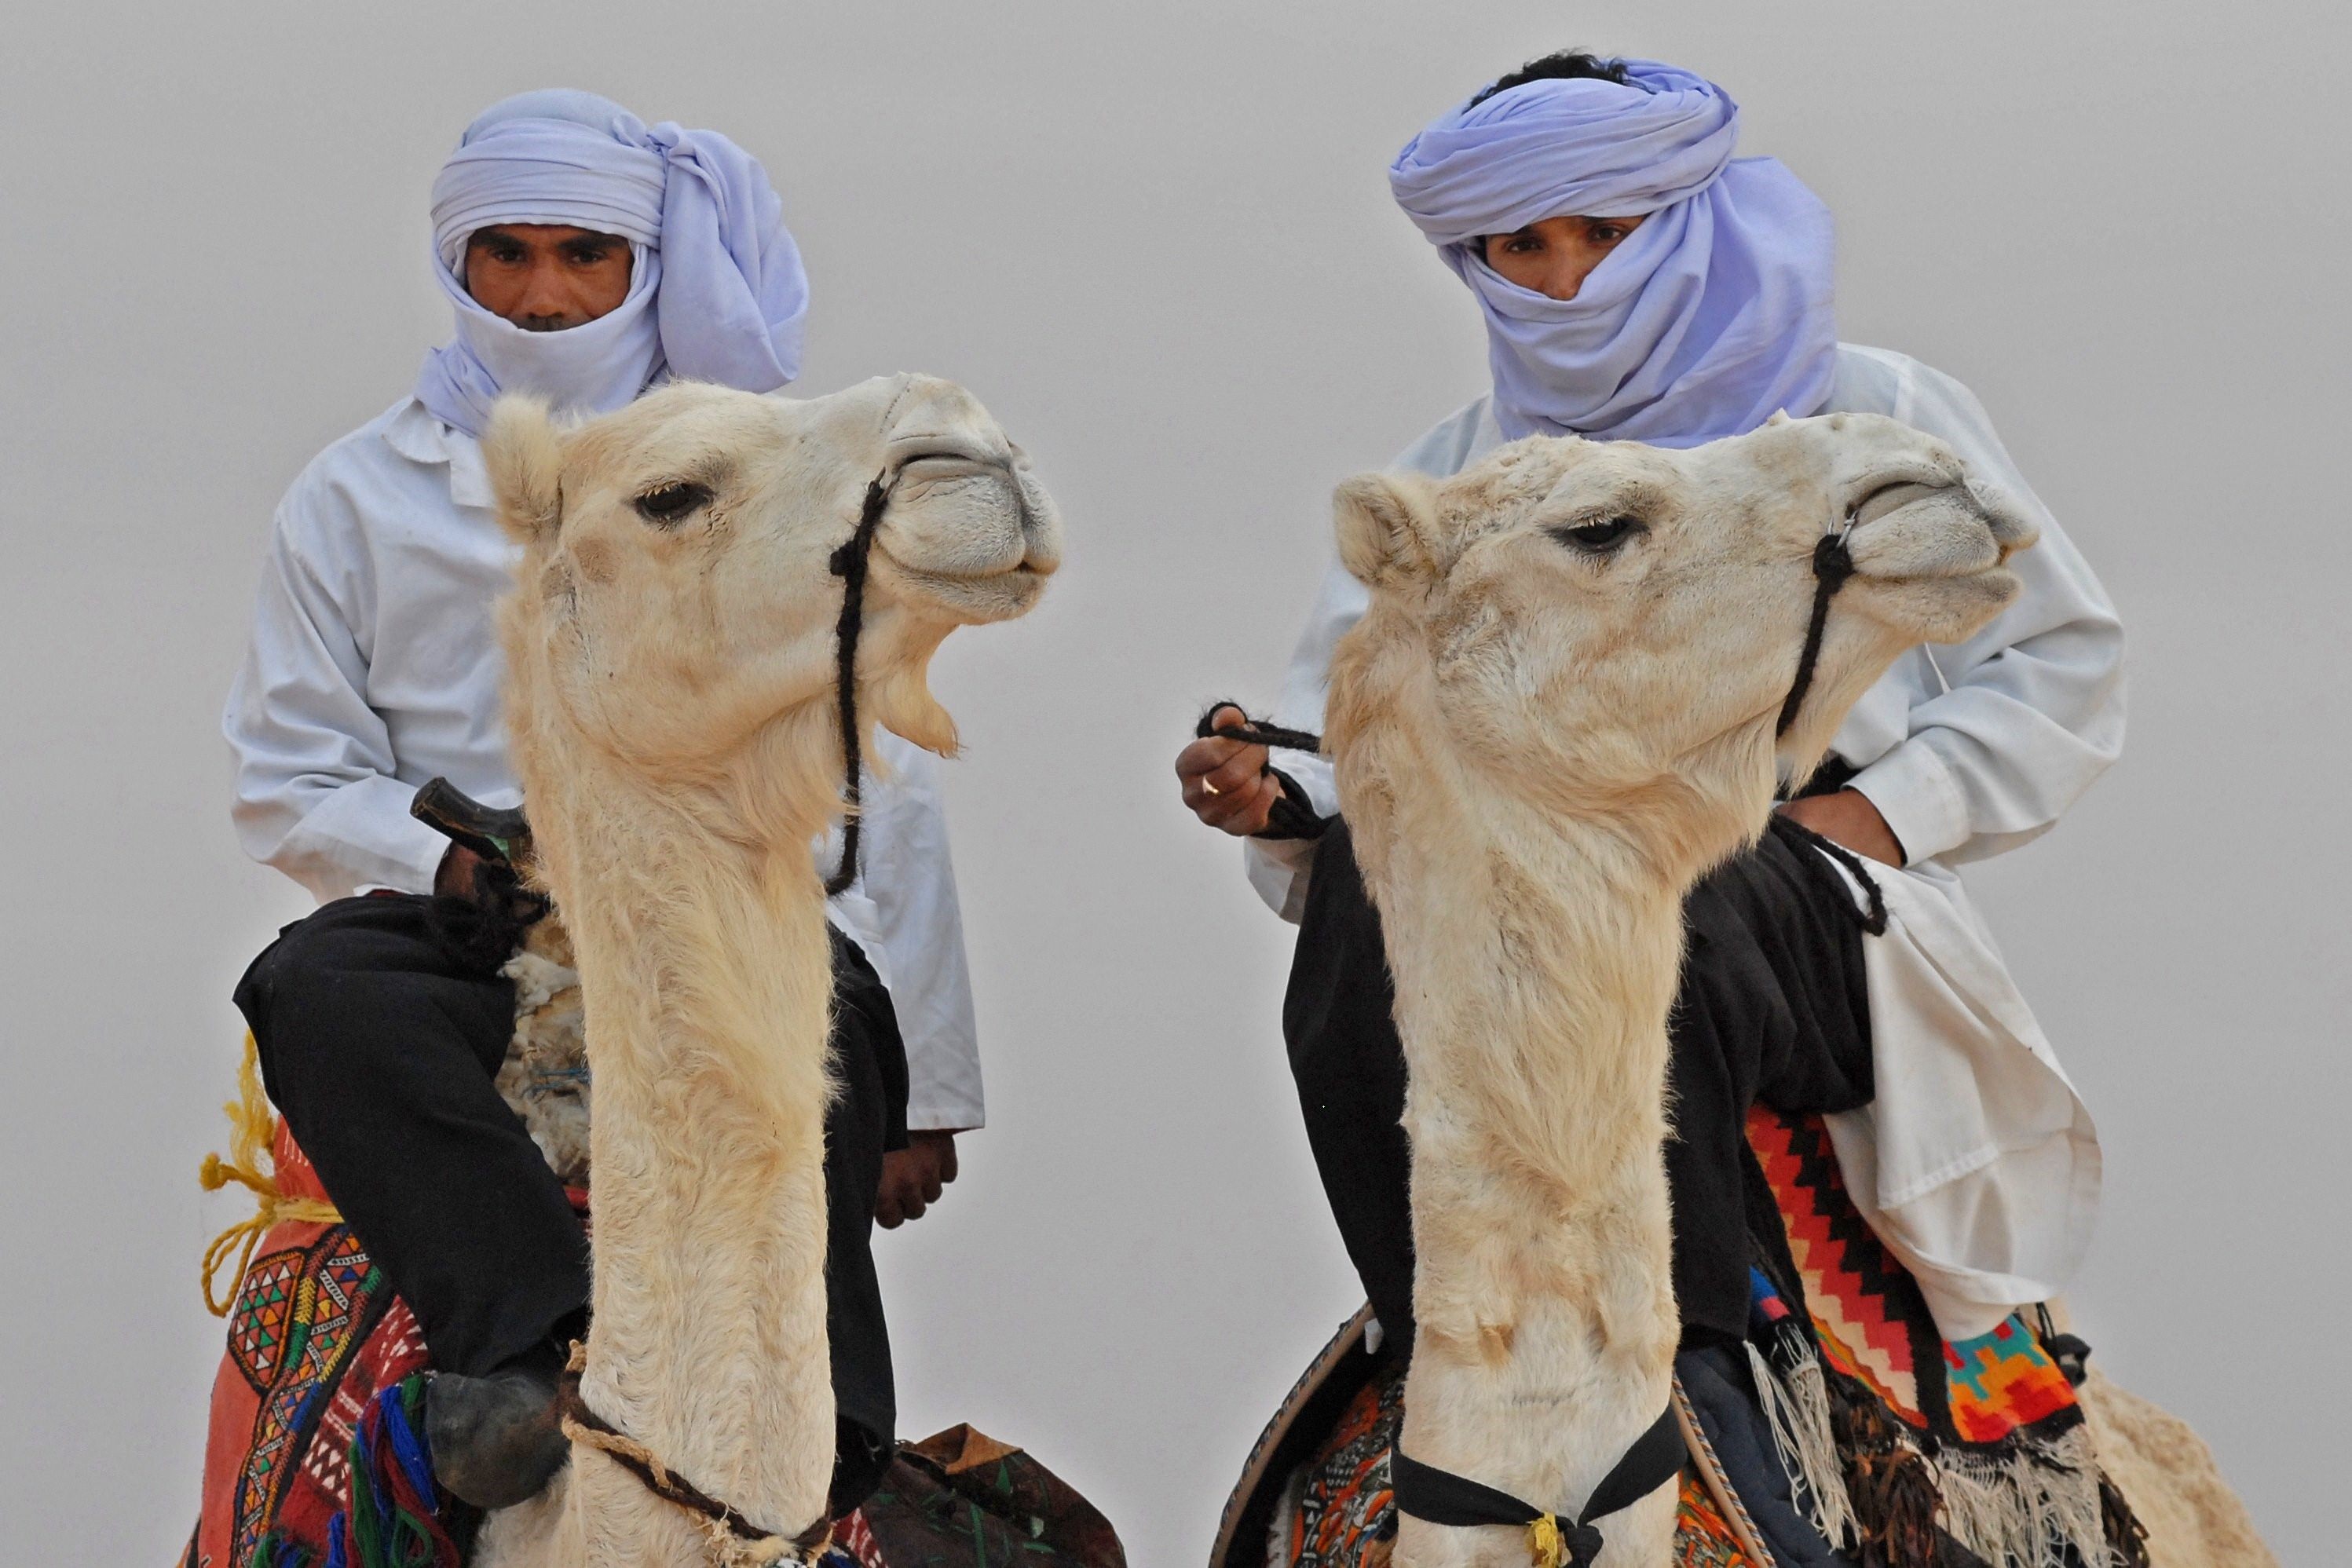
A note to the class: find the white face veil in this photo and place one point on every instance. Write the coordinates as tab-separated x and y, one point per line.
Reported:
716	289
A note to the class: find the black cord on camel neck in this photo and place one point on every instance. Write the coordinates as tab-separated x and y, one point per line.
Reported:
849	562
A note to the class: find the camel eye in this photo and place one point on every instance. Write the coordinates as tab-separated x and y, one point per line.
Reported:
666	506
1599	538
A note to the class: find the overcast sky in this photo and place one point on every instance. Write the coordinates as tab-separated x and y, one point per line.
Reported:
1158	243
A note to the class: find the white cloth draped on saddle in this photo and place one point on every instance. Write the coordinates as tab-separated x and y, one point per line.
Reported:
1977	1163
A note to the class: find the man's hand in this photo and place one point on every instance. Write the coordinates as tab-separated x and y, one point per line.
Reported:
454	879
1848	818
913	1177
1225	781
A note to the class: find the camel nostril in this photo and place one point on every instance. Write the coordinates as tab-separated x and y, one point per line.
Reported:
1892	498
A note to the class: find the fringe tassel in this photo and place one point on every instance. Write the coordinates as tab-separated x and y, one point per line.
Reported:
2028	1509
1797	1407
1892	1486
1866	1485
2126	1536
395	1508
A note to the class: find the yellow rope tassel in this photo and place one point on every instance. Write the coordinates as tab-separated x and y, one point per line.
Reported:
252	1126
1545	1546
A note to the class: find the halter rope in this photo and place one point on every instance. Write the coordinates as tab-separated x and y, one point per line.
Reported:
734	1541
1832	564
849	563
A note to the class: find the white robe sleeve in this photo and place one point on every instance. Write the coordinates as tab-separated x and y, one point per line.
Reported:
316	796
905	912
2033	705
1279	868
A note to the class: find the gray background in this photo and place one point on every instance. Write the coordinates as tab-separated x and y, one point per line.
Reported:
1159	243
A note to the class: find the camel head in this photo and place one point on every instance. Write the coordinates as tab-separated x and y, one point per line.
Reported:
675	605
1608	631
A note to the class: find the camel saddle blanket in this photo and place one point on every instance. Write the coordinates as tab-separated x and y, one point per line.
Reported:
1897	1442
1892	1445
316	1455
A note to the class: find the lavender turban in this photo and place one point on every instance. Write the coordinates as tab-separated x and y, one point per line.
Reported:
1700	324
716	288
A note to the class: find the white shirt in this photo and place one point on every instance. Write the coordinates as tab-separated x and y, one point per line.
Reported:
1967	749
1977	1163
375	666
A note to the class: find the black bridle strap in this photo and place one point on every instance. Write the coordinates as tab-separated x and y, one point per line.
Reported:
1832	564
849	565
1441	1497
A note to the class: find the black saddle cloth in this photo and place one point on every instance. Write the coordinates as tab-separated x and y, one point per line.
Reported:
381	1022
1772	1008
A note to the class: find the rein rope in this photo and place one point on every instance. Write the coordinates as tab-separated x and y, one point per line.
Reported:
734	1541
1294	816
849	562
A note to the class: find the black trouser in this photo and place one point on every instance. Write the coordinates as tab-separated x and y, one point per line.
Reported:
1772	1007
381	1022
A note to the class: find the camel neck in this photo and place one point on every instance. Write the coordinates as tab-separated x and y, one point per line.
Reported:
706	978
1535	957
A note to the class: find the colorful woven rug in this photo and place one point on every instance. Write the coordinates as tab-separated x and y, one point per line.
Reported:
1336	1511
315	1335
1896	1437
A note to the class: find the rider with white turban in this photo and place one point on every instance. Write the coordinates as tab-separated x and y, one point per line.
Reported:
587	256
1638	281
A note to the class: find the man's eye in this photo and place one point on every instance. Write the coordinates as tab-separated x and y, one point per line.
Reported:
1598	538
666	506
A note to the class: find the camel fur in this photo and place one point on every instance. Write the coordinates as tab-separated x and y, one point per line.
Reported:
1556	714
671	699
2168	1477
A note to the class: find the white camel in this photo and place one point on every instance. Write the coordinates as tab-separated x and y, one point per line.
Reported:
672	700
1557	713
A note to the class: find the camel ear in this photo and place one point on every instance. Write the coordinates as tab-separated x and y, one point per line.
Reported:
524	456
1387	524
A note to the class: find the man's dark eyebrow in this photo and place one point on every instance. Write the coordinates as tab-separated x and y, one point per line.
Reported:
593	241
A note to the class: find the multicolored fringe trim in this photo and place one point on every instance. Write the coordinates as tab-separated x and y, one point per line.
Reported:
396	1514
1891	1435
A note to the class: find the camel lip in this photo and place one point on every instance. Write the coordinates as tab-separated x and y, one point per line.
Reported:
1026	567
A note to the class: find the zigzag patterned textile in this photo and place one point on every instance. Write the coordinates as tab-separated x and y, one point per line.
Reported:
1901	1443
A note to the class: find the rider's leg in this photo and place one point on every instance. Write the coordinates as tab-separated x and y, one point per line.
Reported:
380	1032
867	1117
